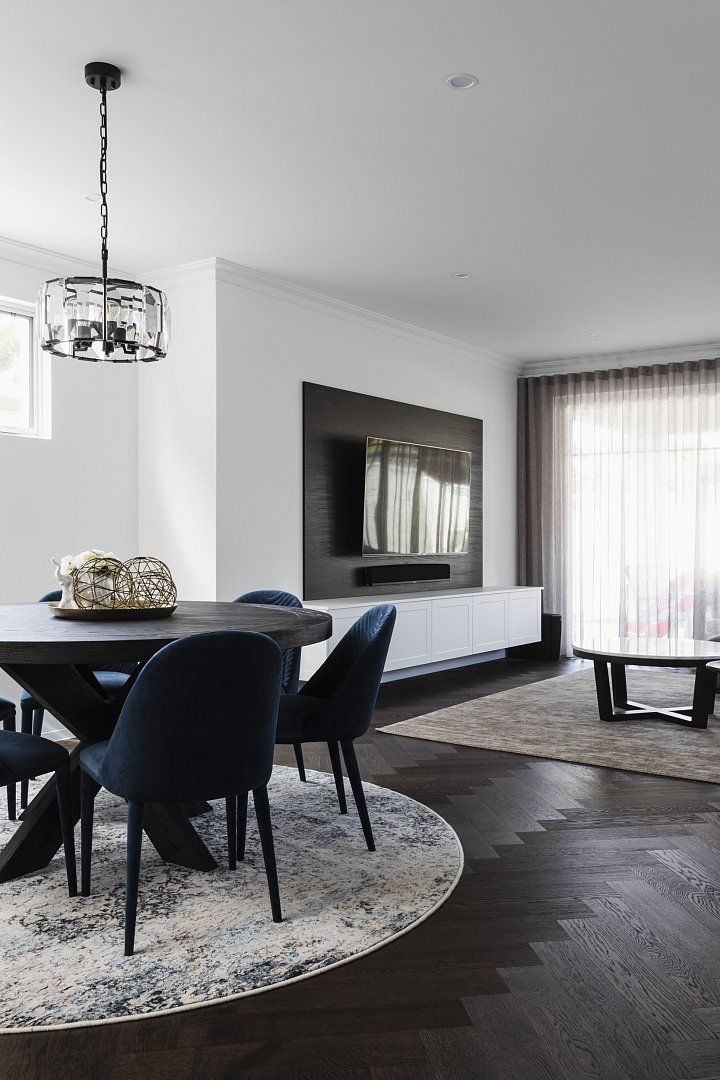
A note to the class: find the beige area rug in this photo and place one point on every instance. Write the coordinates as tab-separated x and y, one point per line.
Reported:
558	719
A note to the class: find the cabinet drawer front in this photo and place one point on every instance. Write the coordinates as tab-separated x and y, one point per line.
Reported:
524	624
411	640
410	644
451	627
490	623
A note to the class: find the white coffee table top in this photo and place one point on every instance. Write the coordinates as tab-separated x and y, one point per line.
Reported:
671	651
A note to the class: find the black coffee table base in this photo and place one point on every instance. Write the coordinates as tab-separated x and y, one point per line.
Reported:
616	706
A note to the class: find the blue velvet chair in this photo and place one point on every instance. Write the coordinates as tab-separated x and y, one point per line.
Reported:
112	678
7	716
290	657
337	703
175	741
22	758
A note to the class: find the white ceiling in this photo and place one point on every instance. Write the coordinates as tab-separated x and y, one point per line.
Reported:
316	140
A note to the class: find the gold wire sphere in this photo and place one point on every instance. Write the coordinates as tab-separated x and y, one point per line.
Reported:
108	584
102	583
151	582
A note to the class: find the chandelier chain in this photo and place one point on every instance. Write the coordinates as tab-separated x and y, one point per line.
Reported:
103	178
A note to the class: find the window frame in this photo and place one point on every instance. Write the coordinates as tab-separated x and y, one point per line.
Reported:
26	310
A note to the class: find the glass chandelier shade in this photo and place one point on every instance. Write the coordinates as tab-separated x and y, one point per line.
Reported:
103	318
70	320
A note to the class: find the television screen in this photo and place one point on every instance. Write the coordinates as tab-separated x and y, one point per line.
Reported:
417	499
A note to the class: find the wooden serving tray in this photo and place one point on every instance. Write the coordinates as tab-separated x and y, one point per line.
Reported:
110	614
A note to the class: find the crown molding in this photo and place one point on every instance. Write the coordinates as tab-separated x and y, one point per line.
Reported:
40	258
677	354
50	262
230	273
243	277
192	273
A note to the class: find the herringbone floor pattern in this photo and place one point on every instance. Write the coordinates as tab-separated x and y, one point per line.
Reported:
582	942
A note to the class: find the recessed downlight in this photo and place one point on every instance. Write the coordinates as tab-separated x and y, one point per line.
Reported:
593	334
462	277
461	82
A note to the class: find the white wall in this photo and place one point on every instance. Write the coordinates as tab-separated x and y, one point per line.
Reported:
198	459
267	346
77	489
177	421
220	423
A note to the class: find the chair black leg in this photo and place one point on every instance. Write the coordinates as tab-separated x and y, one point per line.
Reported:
132	873
334	749
11	803
297	747
62	784
357	789
242	808
87	810
9	725
231	816
262	813
26	726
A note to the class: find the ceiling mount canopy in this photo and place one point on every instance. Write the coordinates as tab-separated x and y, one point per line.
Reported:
102	76
103	318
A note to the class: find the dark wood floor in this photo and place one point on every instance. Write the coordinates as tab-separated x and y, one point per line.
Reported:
582	941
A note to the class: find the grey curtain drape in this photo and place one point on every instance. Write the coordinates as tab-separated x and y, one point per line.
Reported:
619	499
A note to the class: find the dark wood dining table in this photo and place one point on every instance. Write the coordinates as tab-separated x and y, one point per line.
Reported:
53	660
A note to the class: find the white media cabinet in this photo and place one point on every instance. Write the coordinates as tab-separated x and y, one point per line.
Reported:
440	629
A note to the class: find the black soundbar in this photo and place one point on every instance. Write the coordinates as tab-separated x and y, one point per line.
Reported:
390	575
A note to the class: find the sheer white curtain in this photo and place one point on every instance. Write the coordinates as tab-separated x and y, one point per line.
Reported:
625	471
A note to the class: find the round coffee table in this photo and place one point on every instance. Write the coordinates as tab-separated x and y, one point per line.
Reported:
652	652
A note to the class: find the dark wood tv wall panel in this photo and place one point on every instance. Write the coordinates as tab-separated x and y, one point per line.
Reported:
336	424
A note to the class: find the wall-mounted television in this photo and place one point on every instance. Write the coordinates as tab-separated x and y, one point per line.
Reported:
417	499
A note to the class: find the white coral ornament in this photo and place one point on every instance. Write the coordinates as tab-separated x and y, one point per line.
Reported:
65	568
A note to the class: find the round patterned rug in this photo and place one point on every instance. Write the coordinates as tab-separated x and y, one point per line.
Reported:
203	938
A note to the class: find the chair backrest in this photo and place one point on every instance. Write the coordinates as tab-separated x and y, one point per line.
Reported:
200	721
350	677
52	597
290	657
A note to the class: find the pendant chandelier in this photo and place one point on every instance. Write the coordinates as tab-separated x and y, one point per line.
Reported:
102	318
